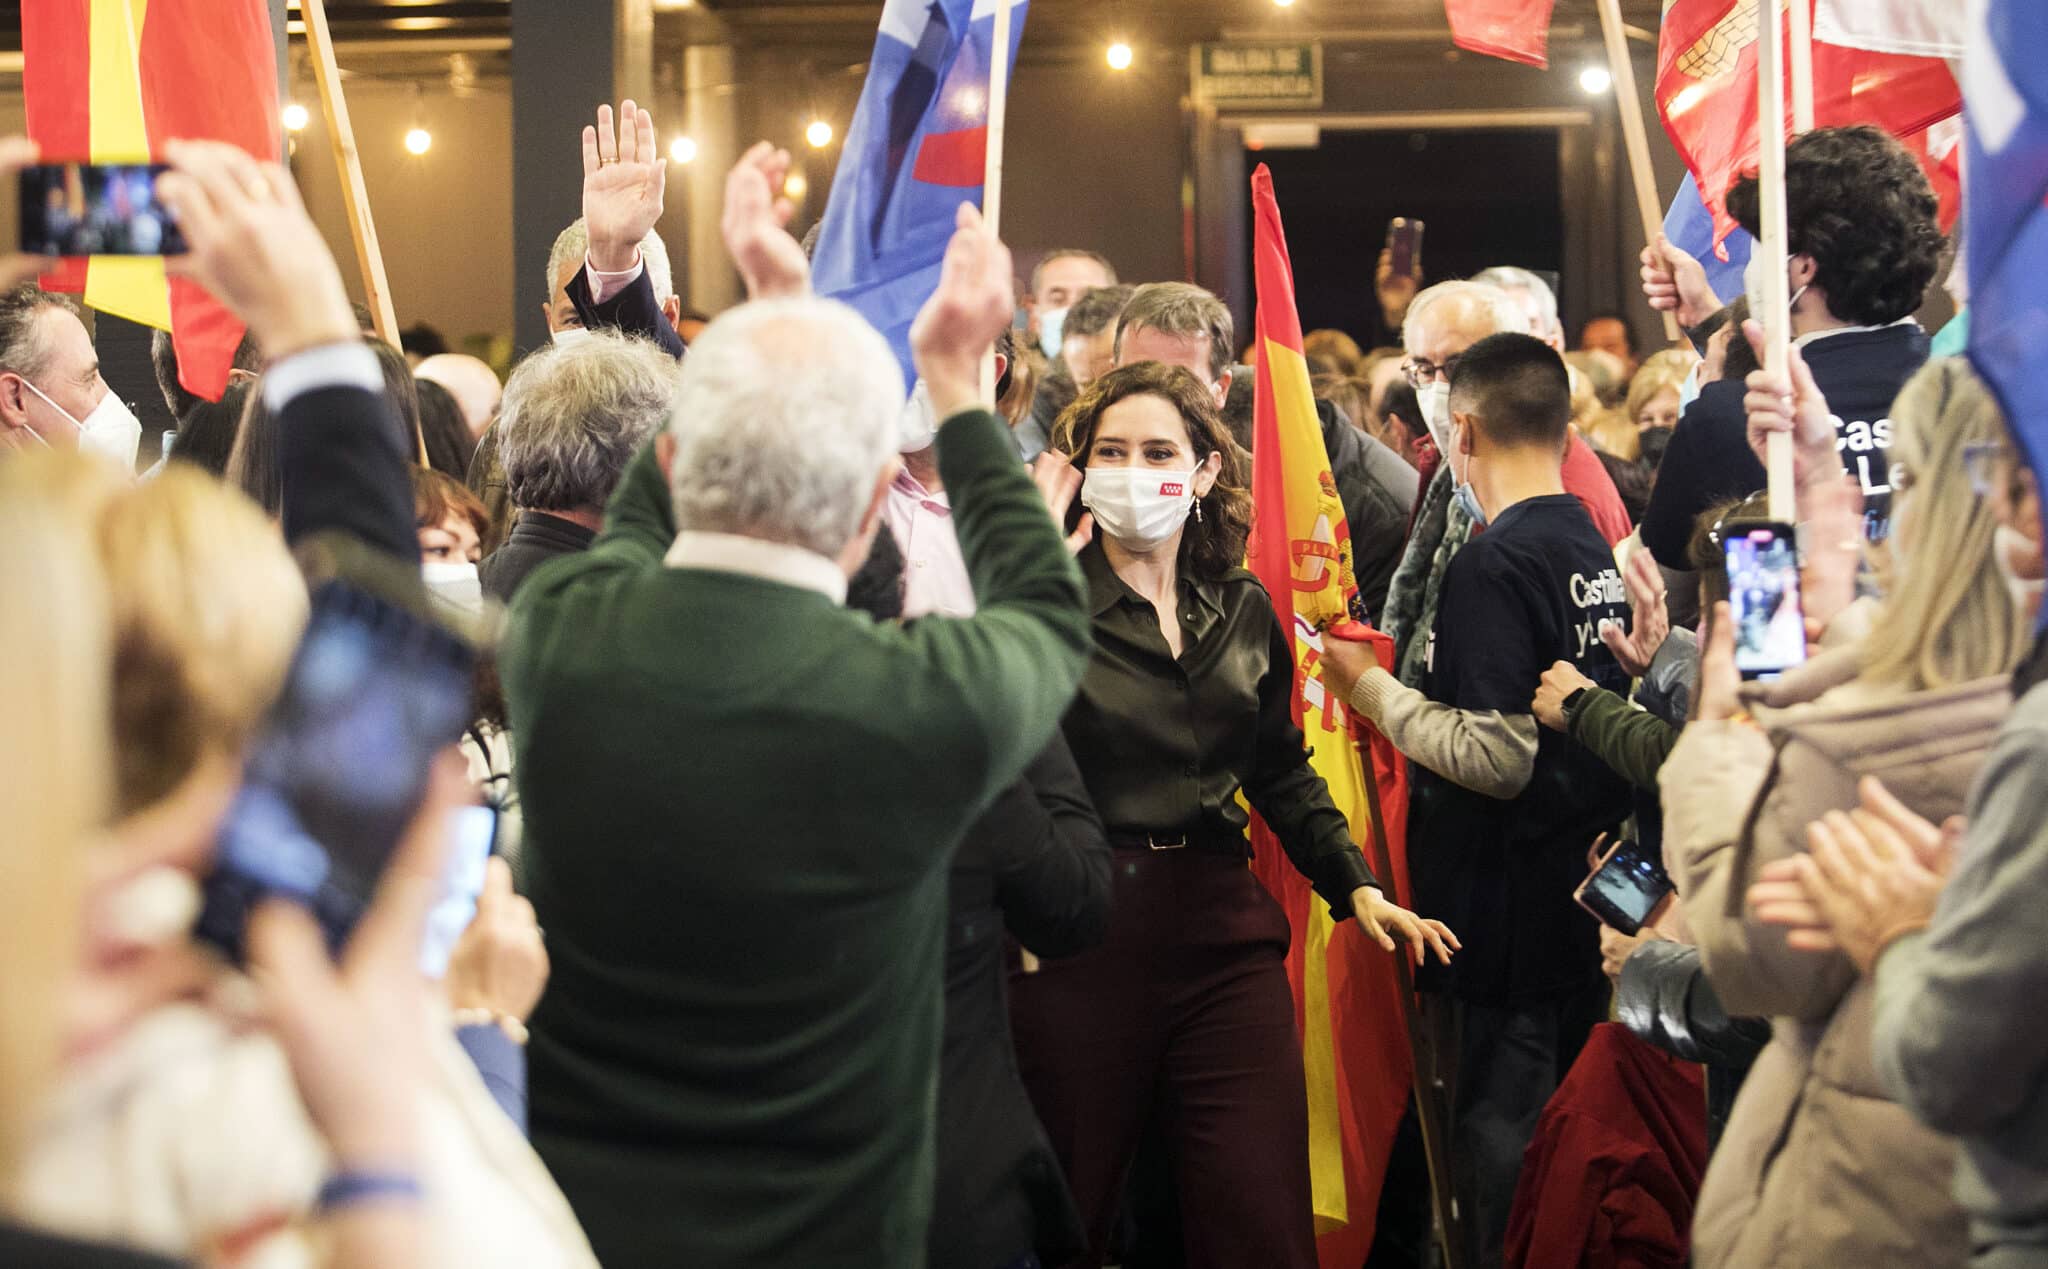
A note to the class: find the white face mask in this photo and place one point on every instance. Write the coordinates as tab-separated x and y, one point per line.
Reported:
1753	287
455	583
1435	400
1050	324
569	336
918	426
111	430
2008	546
1140	507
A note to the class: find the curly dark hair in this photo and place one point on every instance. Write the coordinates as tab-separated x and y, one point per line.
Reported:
1858	203
1213	546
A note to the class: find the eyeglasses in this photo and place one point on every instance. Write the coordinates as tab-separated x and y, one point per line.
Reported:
1421	373
1981	460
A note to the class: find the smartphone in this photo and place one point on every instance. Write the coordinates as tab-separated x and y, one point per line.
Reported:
1626	888
1404	245
96	209
1763	597
476	840
339	765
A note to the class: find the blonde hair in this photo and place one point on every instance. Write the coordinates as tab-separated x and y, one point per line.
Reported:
54	748
1666	369
207	608
1947	617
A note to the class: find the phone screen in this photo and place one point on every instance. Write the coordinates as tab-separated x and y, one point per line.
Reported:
1763	598
1404	246
476	832
96	209
340	765
1626	888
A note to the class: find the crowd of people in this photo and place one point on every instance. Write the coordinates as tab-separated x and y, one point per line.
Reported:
870	764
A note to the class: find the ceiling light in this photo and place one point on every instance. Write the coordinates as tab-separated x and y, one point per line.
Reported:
1595	80
296	117
418	141
682	149
819	134
1119	56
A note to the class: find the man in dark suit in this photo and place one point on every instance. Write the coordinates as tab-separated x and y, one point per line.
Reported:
573	417
741	799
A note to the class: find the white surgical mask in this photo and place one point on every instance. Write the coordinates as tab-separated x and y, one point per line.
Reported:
918	426
455	583
1464	495
2007	546
569	336
1140	507
111	430
1689	389
1753	287
1435	400
1050	324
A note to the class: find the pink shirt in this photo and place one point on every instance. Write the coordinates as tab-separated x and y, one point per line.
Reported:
934	575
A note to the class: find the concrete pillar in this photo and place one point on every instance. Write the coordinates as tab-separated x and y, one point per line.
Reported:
710	119
568	56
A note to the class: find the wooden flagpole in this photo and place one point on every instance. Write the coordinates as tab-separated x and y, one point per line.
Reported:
992	181
1629	106
1771	253
1801	61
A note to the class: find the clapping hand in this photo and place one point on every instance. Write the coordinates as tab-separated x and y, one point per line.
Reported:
1676	283
1059	481
756	226
1650	621
958	326
624	182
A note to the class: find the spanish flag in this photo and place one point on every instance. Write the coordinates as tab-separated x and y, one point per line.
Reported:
111	81
1346	989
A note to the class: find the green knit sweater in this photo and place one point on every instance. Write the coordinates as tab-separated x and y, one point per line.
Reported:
741	800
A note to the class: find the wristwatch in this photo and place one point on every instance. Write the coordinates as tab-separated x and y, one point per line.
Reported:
1571	703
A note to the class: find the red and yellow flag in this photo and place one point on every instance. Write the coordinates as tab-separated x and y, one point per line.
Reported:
111	81
1346	989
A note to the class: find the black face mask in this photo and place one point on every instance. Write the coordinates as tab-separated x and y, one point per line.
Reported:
1655	440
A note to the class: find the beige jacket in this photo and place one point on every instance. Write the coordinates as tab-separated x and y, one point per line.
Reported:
188	1138
1817	1166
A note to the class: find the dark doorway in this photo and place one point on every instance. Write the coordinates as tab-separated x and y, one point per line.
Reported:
1486	197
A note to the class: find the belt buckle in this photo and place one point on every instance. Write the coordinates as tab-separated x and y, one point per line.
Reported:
1155	844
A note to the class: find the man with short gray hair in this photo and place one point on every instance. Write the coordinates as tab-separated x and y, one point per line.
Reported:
1179	324
742	798
573	417
1532	295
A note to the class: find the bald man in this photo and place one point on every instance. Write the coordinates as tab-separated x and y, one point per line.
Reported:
472	383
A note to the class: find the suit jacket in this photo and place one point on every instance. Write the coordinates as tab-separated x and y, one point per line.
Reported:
633	311
1036	863
741	803
536	538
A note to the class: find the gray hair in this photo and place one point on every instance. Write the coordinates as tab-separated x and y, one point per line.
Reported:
787	415
23	350
1181	309
573	243
1502	314
1531	293
575	414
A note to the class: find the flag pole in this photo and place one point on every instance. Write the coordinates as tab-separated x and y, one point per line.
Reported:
1777	304
992	177
1629	106
1801	62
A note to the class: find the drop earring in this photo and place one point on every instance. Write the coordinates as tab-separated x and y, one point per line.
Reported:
1198	511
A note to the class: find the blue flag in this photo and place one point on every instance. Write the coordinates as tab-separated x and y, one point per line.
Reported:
1690	227
2005	225
915	152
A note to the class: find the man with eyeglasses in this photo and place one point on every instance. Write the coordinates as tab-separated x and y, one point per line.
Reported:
1442	323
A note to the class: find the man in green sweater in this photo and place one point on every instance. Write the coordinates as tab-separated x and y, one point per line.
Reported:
741	799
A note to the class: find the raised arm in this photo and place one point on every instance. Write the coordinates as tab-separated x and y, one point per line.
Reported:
624	184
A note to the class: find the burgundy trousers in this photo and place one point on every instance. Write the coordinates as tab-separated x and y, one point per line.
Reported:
1182	1014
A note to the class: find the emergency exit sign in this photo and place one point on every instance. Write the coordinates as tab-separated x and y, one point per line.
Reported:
1259	74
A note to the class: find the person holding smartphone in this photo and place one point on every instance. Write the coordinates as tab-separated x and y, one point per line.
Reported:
1819	1165
1502	811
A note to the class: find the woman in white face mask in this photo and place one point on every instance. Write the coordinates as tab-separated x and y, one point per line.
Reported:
1184	1013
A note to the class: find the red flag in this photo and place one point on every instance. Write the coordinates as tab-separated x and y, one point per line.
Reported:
112	80
1518	30
1706	92
1346	989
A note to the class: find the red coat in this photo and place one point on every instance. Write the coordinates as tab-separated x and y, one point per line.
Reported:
1610	1179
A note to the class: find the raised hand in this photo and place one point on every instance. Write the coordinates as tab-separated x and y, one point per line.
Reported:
958	326
500	965
1649	619
1059	482
1676	283
1789	401
255	248
1720	689
624	182
756	226
1395	290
